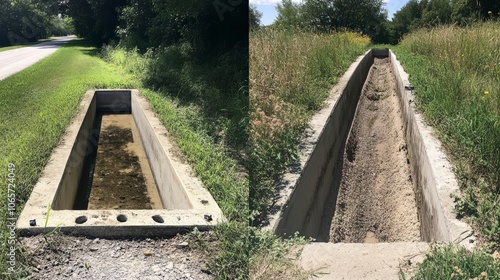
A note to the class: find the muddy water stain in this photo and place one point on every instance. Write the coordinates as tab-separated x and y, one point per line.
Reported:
122	178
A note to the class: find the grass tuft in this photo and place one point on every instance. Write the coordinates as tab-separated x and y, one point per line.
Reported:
455	262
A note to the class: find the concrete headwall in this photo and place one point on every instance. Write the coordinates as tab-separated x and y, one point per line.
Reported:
303	209
114	102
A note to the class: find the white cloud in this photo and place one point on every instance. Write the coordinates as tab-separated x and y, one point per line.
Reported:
269	2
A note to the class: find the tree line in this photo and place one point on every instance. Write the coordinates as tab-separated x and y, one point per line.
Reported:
23	21
370	18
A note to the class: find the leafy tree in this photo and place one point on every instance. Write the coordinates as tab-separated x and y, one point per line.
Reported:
289	14
365	16
135	22
464	12
96	20
405	20
437	12
27	20
254	17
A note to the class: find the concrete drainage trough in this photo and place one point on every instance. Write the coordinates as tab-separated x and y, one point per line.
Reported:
185	202
304	191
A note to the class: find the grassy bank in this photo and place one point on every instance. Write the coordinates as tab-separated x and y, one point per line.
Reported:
37	105
456	74
290	74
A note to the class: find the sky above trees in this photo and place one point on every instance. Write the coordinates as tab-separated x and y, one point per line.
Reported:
269	12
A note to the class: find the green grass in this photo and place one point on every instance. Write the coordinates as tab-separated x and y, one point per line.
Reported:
455	262
2	49
290	76
456	74
37	105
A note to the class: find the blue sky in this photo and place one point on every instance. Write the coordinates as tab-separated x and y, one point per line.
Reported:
269	13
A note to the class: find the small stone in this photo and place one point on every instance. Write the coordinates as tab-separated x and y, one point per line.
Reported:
148	253
93	249
95	241
182	245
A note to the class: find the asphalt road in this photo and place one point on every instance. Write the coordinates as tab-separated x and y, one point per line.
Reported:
16	60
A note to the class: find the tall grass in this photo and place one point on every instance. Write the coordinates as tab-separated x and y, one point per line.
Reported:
456	74
454	262
290	73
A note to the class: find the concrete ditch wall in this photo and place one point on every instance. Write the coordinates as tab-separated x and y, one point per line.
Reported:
170	188
304	192
196	207
68	187
172	194
432	174
303	209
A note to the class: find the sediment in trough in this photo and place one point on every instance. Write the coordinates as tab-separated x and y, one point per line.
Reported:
376	201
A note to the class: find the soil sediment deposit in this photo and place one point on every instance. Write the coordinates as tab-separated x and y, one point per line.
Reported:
122	176
376	200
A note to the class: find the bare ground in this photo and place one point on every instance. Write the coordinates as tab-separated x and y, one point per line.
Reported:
376	201
69	257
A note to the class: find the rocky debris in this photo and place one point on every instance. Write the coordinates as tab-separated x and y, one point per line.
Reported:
68	257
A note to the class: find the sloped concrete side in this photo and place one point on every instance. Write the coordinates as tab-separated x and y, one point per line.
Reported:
305	190
432	173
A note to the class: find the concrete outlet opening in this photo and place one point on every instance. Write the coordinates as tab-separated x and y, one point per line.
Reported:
115	173
371	171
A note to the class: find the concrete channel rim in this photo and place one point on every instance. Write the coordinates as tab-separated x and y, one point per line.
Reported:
299	202
125	222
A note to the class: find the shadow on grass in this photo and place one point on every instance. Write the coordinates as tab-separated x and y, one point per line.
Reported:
89	48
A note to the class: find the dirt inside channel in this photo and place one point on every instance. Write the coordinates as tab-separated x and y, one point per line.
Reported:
376	201
122	176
